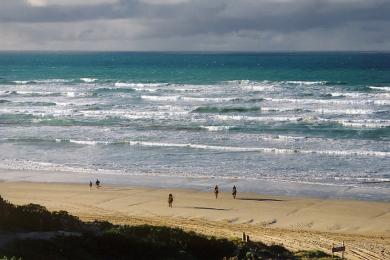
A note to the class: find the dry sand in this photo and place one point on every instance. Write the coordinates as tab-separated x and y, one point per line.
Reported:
297	223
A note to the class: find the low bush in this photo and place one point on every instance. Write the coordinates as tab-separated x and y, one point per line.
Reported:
33	217
103	240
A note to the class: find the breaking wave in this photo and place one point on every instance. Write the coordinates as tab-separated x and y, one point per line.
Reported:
225	109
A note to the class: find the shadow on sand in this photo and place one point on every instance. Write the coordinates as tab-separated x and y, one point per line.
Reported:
208	208
254	199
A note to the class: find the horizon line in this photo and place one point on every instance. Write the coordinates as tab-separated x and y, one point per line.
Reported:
206	51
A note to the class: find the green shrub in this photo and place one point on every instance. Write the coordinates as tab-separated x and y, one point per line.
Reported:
33	217
103	240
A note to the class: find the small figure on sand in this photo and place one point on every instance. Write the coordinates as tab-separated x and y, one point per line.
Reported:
170	200
234	192
97	183
90	184
216	191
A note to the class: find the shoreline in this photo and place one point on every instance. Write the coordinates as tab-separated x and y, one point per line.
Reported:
257	186
295	222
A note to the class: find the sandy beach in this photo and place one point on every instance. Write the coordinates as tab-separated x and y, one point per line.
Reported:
297	223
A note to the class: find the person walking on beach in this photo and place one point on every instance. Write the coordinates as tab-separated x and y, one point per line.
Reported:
90	184
97	183
234	192
216	191
170	200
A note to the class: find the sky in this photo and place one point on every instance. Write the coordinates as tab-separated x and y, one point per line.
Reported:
195	25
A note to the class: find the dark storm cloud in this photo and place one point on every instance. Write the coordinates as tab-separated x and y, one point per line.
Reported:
21	11
162	20
216	15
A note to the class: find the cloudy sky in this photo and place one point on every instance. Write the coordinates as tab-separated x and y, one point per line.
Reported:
199	25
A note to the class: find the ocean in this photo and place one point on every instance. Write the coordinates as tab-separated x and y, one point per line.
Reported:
314	123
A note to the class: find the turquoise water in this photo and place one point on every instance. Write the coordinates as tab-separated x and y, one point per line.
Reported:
314	118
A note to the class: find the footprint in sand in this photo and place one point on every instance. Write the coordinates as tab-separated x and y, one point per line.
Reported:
268	223
249	221
233	220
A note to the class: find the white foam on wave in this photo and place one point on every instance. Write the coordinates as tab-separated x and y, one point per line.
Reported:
255	118
139	85
207	147
88	80
21	82
337	94
258	88
254	86
364	123
328	101
359	123
17	164
146	89
154	87
382	95
262	149
273	109
204	99
121	84
380	88
135	114
344	111
186	99
362	179
48	81
44	112
161	98
267	82
27	93
242	82
284	109
310	83
382	102
70	94
32	93
283	138
348	94
350	152
217	128
87	142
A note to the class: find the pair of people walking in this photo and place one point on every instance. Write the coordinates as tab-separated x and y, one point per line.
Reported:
234	191
97	184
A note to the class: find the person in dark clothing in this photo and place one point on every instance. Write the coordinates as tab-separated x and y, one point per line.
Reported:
170	200
97	183
234	192
216	191
90	184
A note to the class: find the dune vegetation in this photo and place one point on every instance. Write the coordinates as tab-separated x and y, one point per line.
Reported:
33	232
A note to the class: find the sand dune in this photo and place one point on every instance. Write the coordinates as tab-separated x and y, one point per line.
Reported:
297	223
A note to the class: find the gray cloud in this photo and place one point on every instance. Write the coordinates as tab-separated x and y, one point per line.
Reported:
197	25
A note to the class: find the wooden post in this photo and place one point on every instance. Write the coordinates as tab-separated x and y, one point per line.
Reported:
336	249
243	237
247	238
332	250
